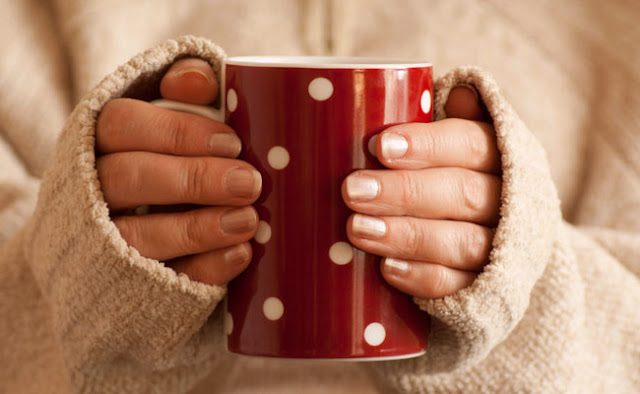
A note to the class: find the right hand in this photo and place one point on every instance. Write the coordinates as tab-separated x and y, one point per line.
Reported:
153	156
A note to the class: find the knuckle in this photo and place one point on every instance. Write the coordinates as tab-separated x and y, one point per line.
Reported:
116	175
432	145
473	244
412	189
190	234
475	146
108	114
194	172
470	191
112	119
129	229
415	239
176	131
440	281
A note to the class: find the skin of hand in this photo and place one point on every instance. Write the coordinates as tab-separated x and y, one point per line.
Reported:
431	212
152	156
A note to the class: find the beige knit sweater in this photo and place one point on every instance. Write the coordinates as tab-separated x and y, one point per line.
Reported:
556	309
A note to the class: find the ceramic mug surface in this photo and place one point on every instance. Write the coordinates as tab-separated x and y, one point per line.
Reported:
305	124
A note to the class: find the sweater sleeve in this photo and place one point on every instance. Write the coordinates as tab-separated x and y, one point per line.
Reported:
18	191
554	307
123	323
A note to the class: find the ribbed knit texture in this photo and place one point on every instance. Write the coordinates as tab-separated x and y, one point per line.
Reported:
555	310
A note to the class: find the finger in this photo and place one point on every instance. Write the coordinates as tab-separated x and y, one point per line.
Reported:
458	245
425	280
434	193
446	143
190	80
165	236
464	103
131	179
217	267
134	125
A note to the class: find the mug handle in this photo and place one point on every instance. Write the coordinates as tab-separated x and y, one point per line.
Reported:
202	110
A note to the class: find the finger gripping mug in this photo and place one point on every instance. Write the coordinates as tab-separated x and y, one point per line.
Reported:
306	123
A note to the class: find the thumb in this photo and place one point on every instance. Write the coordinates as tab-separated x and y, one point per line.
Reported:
191	81
464	102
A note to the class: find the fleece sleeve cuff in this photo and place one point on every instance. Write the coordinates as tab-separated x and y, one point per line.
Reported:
113	309
467	325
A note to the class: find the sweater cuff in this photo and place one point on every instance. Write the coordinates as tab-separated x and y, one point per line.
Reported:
467	325
109	304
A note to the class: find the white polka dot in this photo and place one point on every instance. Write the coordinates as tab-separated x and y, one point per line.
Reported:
425	101
320	89
273	308
228	323
263	235
232	100
278	157
374	334
341	253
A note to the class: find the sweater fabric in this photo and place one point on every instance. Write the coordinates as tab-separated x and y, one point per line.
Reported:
554	311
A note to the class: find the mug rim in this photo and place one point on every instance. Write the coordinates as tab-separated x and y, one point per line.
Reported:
327	62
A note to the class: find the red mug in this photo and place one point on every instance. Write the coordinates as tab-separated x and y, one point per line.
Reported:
306	123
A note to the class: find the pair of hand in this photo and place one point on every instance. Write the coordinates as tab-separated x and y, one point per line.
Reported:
431	216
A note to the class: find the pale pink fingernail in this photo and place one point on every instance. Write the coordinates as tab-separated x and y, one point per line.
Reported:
372	144
242	182
368	226
224	144
396	267
362	188
469	87
238	220
394	146
237	255
194	72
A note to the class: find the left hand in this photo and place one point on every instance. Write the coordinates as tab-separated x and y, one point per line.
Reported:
183	167
431	216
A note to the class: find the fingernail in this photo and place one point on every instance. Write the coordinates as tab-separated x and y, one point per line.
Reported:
224	144
241	182
394	146
194	72
362	188
142	210
470	88
372	144
368	226
237	255
396	267
238	220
